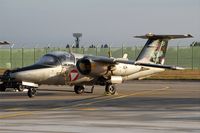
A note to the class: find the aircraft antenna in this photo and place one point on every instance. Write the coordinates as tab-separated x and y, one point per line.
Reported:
77	38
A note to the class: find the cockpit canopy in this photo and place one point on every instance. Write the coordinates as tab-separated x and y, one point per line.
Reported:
57	58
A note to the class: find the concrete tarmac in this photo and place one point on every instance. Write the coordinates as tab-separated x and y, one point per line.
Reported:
145	106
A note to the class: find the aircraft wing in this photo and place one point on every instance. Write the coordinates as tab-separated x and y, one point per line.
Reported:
100	59
107	60
160	66
113	61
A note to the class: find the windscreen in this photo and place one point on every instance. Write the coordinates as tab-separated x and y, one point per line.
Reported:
66	59
48	60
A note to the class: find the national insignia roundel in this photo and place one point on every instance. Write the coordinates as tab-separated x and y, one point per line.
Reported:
73	75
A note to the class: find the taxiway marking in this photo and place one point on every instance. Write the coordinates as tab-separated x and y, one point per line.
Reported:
17	114
77	104
87	109
101	98
123	96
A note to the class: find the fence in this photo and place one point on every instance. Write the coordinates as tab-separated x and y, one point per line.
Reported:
181	56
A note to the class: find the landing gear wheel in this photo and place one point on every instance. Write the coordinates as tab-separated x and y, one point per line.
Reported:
20	88
79	89
2	87
110	89
32	92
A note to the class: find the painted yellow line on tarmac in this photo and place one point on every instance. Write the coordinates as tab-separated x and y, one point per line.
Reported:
17	114
109	98
87	109
123	96
14	109
79	102
143	92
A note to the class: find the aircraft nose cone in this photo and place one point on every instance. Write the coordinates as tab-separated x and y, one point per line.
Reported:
29	73
19	76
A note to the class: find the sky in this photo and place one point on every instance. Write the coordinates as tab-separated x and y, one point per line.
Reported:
36	23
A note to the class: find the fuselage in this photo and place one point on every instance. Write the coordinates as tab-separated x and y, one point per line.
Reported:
59	68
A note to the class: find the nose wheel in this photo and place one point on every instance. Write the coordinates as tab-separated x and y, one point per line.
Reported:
31	92
110	89
79	89
2	87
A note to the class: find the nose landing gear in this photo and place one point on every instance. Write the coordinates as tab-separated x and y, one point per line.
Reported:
2	87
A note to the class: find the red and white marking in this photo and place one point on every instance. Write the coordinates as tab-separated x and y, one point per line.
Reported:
73	75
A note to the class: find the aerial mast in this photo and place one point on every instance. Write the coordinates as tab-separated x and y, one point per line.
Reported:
77	40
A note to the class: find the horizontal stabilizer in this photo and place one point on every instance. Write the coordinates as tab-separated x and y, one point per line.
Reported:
153	36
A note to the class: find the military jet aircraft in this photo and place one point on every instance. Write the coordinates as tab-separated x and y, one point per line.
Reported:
4	43
63	68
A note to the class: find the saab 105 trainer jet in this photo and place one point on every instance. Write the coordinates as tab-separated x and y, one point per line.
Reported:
63	68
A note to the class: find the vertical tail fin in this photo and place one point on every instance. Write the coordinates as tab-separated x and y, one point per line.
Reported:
155	48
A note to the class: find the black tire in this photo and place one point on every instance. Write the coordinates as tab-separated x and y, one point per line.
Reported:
20	88
79	89
2	87
31	92
110	89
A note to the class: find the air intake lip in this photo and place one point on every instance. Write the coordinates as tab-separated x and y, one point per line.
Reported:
84	66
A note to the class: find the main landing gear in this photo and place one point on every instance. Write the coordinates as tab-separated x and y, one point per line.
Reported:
79	89
110	89
32	92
